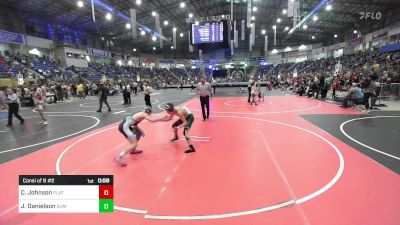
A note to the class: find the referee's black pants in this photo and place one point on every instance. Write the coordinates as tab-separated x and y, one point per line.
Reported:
147	100
205	102
13	109
249	91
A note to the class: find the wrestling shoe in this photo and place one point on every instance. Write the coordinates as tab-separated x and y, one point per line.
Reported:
120	161
190	150
135	152
174	139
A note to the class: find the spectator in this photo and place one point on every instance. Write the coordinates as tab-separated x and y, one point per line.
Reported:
354	94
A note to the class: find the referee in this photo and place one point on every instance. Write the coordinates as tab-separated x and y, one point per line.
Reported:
203	89
147	91
249	85
13	107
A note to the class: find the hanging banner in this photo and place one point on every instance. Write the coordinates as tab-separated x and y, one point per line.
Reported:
232	46
379	34
157	21
253	32
161	39
354	42
93	13
200	54
167	61
174	37
296	16
99	52
150	60
235	40
231	10
116	56
290	8
248	13
242	31
250	43
133	23
10	37
266	44
190	46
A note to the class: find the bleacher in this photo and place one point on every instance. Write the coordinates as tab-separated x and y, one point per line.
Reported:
42	64
4	71
390	47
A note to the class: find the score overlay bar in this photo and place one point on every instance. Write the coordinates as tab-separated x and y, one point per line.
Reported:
66	193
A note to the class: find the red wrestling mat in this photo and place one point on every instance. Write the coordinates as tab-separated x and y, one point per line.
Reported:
254	165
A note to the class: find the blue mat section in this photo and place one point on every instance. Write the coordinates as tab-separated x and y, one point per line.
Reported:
3	115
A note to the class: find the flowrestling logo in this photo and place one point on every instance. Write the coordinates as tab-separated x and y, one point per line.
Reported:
370	15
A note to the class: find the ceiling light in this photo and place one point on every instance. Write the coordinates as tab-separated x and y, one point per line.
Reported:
254	9
313	37
328	7
274	27
286	28
154	48
128	26
305	26
190	15
302	47
284	11
196	23
223	16
315	18
278	20
181	35
274	51
182	5
165	22
288	49
174	29
138	2
153	13
134	49
154	38
253	18
172	47
80	4
108	16
335	36
355	31
142	32
263	31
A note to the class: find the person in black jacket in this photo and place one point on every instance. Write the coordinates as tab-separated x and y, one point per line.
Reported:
103	94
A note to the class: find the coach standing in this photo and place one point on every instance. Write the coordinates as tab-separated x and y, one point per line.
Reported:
103	94
249	85
203	89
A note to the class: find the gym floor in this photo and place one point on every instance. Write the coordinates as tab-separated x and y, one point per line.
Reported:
289	160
